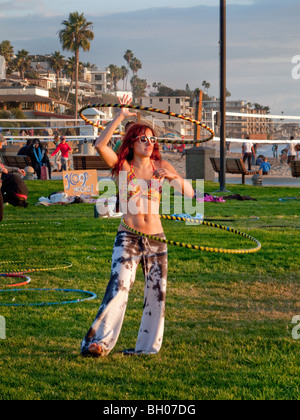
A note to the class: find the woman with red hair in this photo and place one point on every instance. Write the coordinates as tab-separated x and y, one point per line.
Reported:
140	172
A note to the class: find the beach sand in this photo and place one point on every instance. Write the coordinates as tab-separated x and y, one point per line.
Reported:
277	169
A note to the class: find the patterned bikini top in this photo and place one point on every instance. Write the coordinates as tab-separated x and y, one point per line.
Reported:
153	192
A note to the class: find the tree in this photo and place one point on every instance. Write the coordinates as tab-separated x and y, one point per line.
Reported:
163	90
115	75
128	56
22	62
138	87
125	73
70	71
7	51
57	62
76	34
135	65
259	107
156	85
188	90
90	66
206	86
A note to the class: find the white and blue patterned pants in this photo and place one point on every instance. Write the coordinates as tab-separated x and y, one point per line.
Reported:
129	251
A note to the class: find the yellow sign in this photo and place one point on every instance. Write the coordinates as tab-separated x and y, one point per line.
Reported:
77	183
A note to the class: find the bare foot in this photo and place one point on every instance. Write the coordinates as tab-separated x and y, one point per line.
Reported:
95	349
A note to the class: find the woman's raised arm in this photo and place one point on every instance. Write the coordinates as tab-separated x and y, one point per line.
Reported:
102	141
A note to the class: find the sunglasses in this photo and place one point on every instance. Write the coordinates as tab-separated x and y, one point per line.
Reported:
143	139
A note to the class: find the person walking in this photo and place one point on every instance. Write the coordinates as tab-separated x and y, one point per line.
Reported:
57	159
65	149
275	150
248	152
140	173
291	154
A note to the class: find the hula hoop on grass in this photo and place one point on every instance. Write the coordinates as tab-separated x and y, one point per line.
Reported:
27	281
32	270
91	296
149	109
200	247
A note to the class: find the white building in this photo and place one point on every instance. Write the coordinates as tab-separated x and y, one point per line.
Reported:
238	127
176	104
98	80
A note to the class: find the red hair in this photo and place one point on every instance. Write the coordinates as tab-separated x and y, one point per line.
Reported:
126	149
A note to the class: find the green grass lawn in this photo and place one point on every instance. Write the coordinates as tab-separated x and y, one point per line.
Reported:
228	332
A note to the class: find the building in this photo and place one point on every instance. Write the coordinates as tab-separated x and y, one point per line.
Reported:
98	80
32	100
238	127
176	104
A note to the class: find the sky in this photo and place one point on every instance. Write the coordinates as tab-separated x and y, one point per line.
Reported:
178	42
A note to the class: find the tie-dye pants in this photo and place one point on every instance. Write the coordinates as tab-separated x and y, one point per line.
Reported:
130	250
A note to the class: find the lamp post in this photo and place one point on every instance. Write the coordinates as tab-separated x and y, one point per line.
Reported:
223	94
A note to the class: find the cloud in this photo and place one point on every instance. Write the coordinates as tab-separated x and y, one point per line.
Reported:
179	46
19	6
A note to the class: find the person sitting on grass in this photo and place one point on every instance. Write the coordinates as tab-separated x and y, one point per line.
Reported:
12	188
265	166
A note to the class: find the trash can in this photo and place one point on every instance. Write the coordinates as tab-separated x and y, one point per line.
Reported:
86	148
198	164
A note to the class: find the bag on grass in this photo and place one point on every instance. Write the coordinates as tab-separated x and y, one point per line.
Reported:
44	173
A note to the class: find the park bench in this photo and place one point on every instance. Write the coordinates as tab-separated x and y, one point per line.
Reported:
295	168
17	161
86	162
232	166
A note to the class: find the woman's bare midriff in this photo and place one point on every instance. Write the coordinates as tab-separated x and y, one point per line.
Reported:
145	223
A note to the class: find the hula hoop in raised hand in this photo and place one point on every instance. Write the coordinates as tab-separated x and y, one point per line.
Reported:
149	109
200	247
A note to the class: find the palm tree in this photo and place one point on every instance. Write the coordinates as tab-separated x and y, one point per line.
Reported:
90	66
135	65
7	51
22	62
115	75
57	62
76	34
125	73
70	71
128	56
206	86
156	85
138	87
